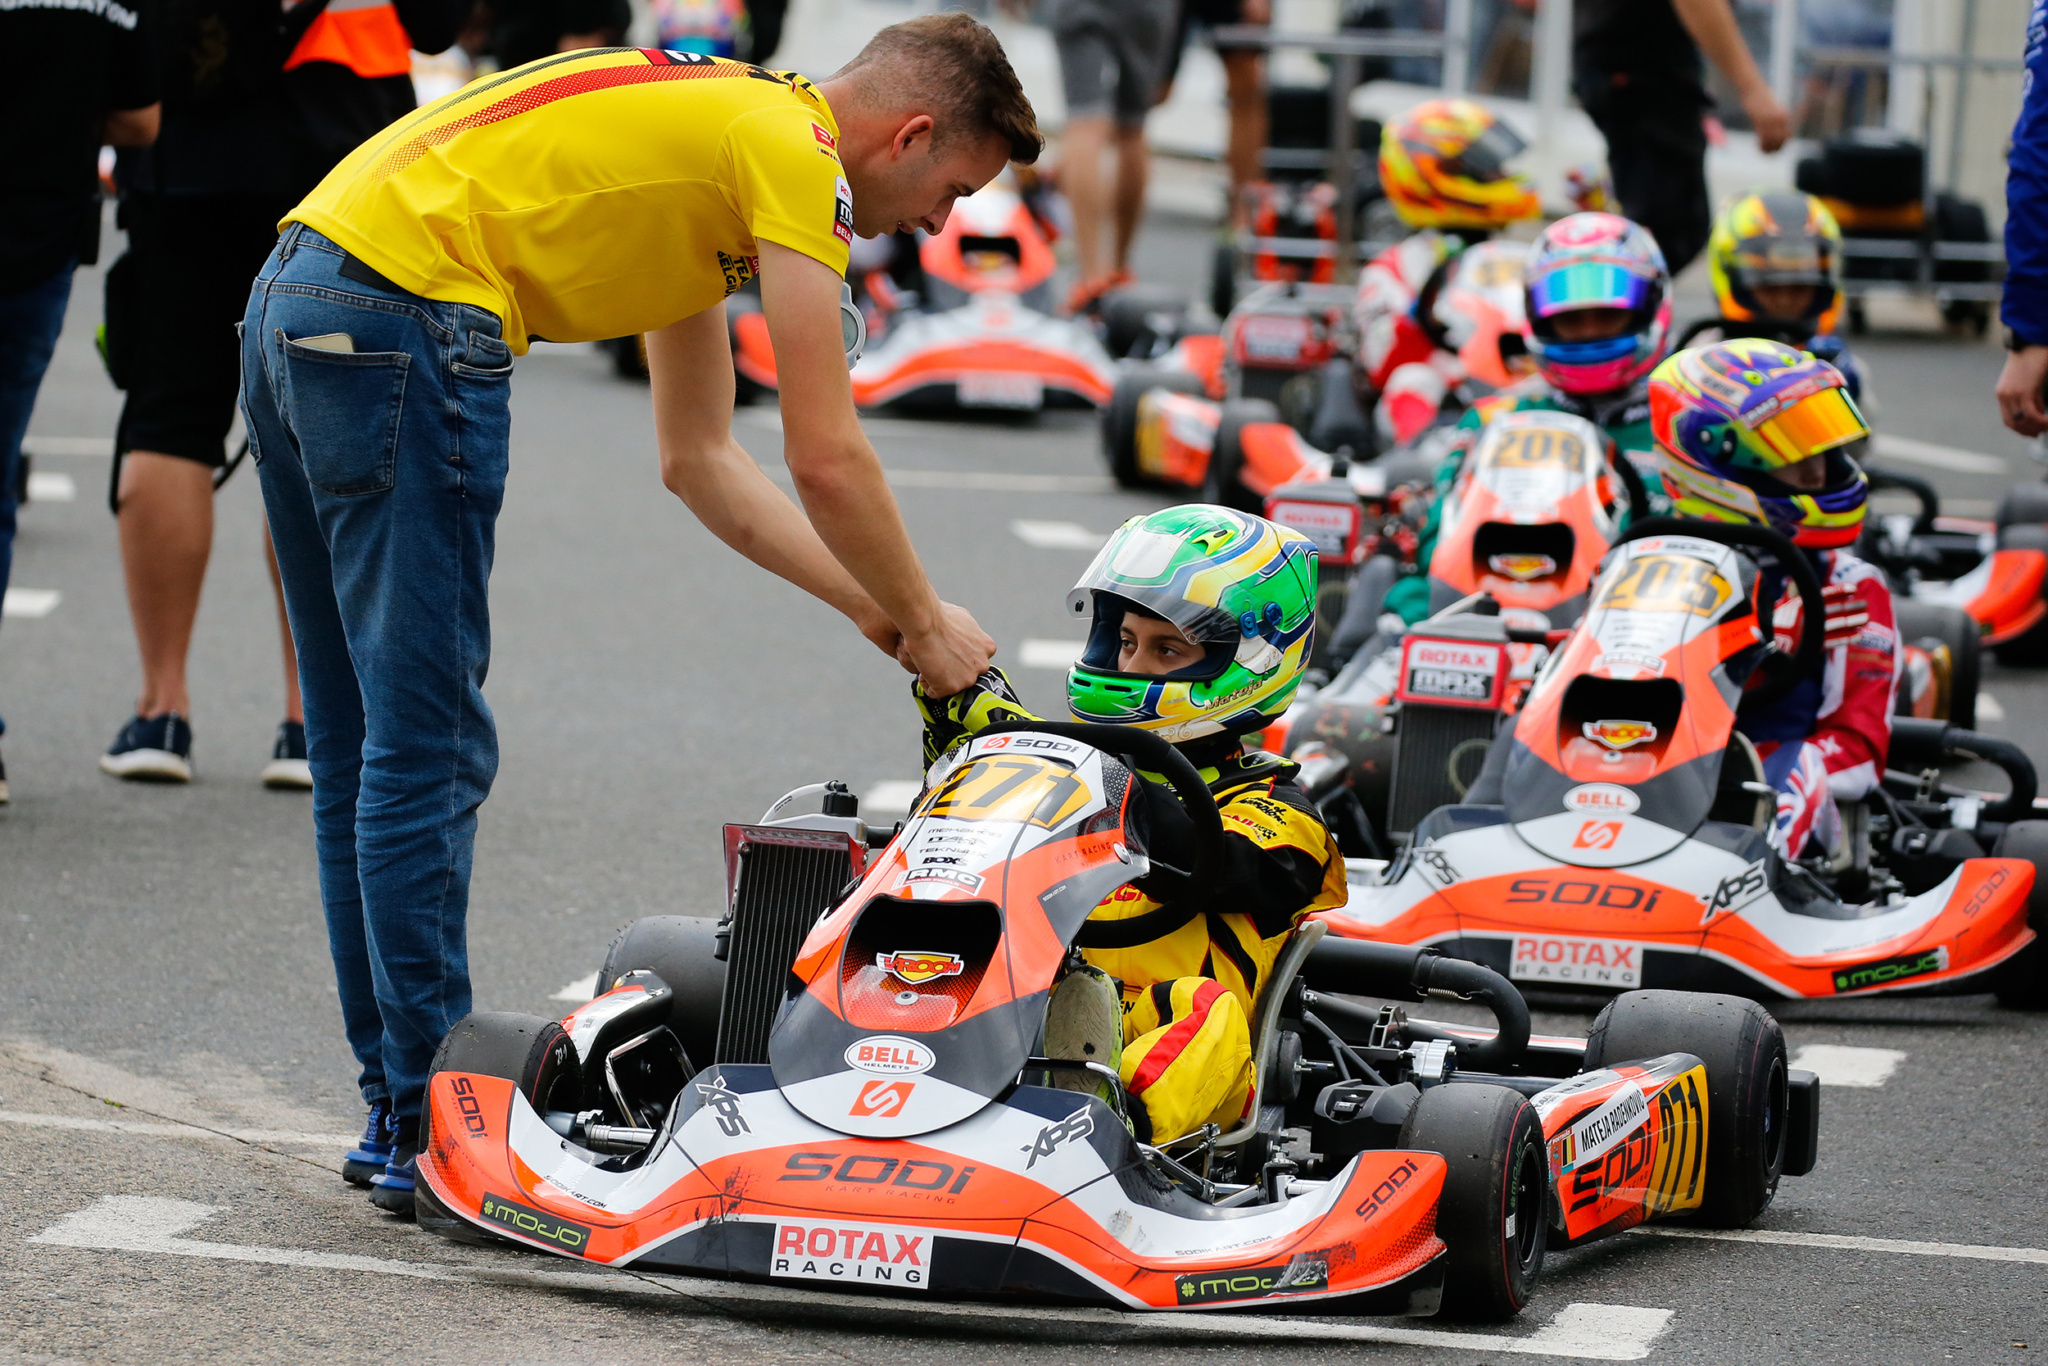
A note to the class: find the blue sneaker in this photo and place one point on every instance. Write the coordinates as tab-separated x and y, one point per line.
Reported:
391	1189
373	1154
155	749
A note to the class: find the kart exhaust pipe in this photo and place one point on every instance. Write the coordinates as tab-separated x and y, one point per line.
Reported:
1403	972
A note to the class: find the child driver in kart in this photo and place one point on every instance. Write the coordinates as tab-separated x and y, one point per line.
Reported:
1757	431
1202	622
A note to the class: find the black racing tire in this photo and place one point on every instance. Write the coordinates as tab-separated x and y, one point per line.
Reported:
678	949
1748	1094
1952	628
1139	316
1120	420
1494	1214
532	1052
1226	458
2023	505
1223	278
629	356
2021	981
2031	647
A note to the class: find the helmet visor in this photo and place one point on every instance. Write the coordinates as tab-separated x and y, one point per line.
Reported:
1782	261
1485	158
1818	422
1587	284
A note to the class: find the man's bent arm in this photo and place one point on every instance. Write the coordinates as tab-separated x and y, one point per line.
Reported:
1712	25
839	478
690	367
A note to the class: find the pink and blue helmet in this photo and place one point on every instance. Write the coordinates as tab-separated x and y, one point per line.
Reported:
1597	260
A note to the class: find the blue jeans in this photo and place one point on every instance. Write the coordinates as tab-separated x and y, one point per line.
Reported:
383	471
29	323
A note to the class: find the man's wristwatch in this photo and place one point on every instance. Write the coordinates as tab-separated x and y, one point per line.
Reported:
2015	342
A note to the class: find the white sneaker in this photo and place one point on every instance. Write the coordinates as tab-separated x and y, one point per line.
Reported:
154	749
288	768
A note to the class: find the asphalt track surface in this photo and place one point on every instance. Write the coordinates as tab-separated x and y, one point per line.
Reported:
174	1090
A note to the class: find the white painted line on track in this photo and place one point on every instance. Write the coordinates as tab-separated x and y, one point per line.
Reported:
153	1224
1057	535
38	447
153	1129
989	481
1989	708
1049	654
1848	1243
579	991
1838	1065
51	487
891	796
1940	457
30	602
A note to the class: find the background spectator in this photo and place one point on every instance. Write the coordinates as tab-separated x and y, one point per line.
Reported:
1244	84
1637	70
258	105
71	79
2025	305
525	30
1112	57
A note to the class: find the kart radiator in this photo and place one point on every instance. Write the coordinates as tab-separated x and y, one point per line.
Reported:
1437	754
780	880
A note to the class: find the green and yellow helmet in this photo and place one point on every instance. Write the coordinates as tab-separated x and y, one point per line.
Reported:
1236	584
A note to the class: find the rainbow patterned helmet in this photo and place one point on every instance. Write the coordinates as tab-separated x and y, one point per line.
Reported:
1597	260
1236	584
1776	237
1443	164
1729	418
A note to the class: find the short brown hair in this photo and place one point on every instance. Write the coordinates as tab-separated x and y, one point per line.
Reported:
958	61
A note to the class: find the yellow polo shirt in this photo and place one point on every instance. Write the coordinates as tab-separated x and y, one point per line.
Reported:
594	194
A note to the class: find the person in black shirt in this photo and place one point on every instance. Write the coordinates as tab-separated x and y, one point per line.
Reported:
260	101
72	77
1636	69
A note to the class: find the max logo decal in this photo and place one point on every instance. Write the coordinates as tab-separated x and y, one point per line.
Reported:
882	1099
1597	835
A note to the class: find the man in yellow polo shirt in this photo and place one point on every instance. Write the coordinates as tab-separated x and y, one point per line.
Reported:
588	195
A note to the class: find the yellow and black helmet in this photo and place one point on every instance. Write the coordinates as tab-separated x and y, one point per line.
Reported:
1777	237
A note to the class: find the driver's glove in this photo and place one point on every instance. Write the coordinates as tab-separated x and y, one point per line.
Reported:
1847	615
988	701
1170	839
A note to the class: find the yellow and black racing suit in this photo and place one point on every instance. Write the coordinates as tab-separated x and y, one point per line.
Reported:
1192	962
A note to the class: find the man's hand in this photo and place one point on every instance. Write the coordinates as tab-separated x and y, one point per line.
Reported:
951	656
2019	390
1772	121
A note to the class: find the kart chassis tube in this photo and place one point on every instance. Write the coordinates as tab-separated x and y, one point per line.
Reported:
1918	743
1398	970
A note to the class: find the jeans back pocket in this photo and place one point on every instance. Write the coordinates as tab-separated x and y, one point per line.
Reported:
344	408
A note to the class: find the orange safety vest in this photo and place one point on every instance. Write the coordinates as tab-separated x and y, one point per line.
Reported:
363	35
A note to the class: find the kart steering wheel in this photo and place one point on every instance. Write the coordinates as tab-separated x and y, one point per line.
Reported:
1785	671
1632	485
1157	756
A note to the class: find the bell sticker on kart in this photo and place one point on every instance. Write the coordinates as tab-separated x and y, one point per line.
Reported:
1452	673
834	1250
1614	963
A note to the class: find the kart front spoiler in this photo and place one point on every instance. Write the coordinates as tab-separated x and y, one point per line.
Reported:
1043	1194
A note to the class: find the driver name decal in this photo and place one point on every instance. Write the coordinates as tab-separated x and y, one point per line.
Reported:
874	1254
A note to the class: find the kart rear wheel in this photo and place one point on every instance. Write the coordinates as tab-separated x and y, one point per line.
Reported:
2032	647
533	1053
1494	1214
2021	981
1222	484
1120	420
2023	505
1748	1090
1952	628
1138	318
679	950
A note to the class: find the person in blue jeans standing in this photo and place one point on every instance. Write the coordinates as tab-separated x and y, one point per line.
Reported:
376	380
72	78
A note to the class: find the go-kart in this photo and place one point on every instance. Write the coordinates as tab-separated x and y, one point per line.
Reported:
1164	417
1615	836
867	1101
977	330
1994	573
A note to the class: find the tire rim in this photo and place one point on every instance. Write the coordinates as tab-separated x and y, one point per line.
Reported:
1777	1102
1529	1180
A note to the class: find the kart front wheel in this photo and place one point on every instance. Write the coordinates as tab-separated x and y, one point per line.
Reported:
1494	1213
2021	981
1224	483
680	950
534	1054
1748	1085
1120	420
